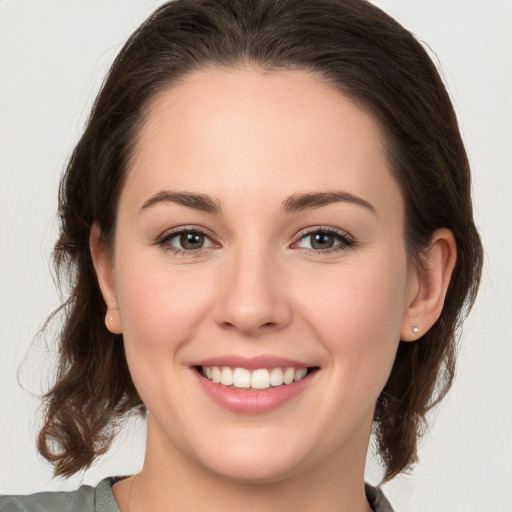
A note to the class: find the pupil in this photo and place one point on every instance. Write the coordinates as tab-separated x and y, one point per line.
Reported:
322	241
191	240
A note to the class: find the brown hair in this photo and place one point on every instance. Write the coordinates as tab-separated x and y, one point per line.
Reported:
366	55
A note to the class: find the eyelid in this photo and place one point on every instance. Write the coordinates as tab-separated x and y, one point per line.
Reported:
324	229
346	239
186	228
162	240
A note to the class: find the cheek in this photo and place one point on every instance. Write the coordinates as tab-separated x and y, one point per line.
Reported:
357	314
359	298
160	307
161	310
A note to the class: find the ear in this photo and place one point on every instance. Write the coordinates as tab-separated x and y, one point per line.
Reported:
103	264
427	286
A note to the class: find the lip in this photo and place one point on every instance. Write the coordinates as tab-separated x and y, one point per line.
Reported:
252	363
244	401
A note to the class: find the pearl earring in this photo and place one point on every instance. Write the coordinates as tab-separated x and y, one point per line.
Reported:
415	329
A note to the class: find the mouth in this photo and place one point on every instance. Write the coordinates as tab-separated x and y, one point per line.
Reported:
257	379
253	385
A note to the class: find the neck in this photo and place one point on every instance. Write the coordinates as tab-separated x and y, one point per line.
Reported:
171	480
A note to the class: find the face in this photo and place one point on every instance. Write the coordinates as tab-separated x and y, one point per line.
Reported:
259	274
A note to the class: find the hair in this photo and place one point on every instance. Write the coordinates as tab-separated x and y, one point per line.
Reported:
363	53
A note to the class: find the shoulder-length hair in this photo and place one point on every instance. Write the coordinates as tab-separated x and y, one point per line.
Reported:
367	56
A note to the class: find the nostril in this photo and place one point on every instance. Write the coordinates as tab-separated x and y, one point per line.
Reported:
230	325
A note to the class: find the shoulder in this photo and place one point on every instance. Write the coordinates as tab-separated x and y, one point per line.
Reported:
375	497
84	499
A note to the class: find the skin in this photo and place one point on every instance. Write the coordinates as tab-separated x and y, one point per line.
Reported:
252	139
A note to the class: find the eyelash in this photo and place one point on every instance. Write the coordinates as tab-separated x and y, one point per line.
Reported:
346	242
164	240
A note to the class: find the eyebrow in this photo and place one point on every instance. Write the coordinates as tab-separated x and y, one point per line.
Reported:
200	202
301	202
295	203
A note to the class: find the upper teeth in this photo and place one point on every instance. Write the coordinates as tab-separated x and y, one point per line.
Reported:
262	378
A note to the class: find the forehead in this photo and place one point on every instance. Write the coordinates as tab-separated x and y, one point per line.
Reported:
247	132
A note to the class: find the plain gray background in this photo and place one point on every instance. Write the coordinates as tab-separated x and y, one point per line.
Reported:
53	55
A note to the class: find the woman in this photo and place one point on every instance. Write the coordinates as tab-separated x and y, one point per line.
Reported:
269	223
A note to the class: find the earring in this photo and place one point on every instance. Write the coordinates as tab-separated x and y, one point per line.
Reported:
415	329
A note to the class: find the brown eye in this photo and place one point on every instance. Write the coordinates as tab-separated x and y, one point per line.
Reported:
321	241
324	241
184	241
191	240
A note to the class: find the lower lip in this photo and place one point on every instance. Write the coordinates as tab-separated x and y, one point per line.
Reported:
253	402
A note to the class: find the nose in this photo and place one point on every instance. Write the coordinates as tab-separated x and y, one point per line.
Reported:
253	297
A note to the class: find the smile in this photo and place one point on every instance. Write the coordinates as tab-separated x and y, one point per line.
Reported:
253	385
257	379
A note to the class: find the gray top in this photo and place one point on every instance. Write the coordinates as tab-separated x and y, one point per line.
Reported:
101	499
84	499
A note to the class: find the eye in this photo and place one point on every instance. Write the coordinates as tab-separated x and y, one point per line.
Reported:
324	240
186	240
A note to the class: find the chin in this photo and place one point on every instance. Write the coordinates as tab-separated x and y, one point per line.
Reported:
255	471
